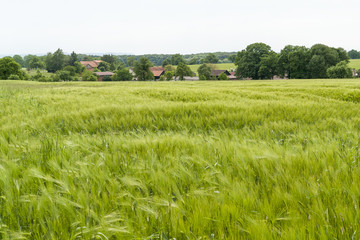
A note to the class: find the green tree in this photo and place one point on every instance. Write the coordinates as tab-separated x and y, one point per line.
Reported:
111	59
293	62
39	77
176	59
27	60
193	61
142	69
341	70
248	61
36	63
79	67
317	67
330	55
204	72
89	76
56	61
165	63
122	75
211	58
73	59
183	70
268	66
104	66
130	61
70	69
8	67
223	76
169	75
19	60
353	54
64	75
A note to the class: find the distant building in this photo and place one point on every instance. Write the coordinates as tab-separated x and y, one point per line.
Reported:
355	73
101	75
232	76
216	73
90	65
157	71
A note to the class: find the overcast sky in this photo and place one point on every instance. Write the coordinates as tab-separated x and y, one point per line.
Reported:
167	26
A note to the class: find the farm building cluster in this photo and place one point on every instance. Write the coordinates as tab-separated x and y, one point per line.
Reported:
156	71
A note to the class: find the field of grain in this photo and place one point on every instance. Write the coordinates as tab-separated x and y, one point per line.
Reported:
180	160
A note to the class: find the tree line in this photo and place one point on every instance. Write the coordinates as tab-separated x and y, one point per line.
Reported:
258	61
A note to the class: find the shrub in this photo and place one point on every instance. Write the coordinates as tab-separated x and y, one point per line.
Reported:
162	78
89	76
223	76
169	75
122	75
64	75
13	77
341	70
39	77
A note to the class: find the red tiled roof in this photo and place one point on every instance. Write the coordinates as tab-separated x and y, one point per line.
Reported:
157	71
104	73
92	64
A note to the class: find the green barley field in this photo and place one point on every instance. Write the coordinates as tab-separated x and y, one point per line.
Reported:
180	160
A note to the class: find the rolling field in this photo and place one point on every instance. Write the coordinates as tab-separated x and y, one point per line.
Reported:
180	160
355	63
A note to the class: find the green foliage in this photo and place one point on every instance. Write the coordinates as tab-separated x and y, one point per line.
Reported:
79	67
165	63
180	160
36	63
122	75
39	77
210	58
162	78
193	61
293	62
71	69
176	59
88	76
353	54
204	71
64	75
169	75
142	69
111	59
130	61
56	61
19	60
106	79
14	77
341	70
8	67
268	66
317	67
104	66
223	76
27	60
183	70
73	59
248	61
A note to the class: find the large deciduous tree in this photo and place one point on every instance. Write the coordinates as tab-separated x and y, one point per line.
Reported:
8	67
56	61
176	59
341	70
248	61
183	70
204	72
142	69
293	62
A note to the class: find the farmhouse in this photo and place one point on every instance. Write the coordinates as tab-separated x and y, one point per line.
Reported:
91	65
216	73
232	76
102	75
157	71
